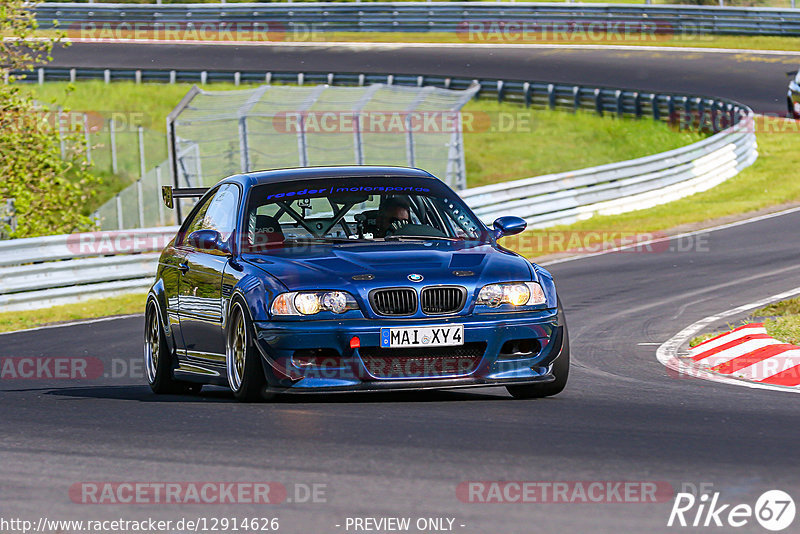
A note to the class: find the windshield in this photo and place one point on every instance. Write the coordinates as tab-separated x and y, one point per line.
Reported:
356	209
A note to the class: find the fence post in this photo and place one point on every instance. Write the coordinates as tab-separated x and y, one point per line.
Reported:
112	131
654	107
410	156
87	138
61	132
357	141
302	148
551	96
244	149
142	165
598	102
119	213
140	201
7	217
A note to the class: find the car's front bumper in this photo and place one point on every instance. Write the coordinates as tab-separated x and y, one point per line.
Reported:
280	341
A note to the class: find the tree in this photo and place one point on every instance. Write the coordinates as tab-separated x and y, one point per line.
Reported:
50	192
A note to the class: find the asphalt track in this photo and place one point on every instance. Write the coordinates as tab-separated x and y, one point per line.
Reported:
758	80
622	416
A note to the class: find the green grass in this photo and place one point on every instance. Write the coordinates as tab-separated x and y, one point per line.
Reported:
89	309
704	337
546	142
784	307
784	320
786	329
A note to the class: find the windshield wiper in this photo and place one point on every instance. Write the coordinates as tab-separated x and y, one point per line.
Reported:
416	237
304	240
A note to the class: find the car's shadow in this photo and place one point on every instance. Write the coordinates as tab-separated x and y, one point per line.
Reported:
218	394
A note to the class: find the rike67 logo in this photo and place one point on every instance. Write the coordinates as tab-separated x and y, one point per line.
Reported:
774	510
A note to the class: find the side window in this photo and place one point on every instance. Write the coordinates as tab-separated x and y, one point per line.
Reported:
195	222
221	214
218	213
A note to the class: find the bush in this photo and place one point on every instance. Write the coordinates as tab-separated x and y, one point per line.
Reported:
49	191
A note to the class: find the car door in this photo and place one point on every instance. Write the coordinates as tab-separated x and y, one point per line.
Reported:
200	294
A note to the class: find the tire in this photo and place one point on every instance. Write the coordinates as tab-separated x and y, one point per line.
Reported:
242	361
560	371
158	358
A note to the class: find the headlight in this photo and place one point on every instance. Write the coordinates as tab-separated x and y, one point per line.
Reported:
312	302
513	293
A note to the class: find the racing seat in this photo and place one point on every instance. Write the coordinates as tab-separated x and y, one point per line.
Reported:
267	233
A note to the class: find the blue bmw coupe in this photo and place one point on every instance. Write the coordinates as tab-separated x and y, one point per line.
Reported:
343	279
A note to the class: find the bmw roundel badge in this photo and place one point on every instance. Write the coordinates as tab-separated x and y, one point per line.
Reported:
415	277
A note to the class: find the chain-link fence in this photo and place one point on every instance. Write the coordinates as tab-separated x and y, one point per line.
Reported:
115	142
273	126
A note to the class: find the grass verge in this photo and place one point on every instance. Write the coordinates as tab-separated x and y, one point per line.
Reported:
781	320
784	320
89	309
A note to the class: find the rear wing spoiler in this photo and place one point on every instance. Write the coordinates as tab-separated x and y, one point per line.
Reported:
169	193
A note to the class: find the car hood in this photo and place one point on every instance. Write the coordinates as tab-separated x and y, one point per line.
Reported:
334	266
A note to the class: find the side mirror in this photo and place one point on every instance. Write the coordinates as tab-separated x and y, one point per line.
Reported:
508	225
208	240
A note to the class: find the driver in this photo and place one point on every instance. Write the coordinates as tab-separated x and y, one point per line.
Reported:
394	214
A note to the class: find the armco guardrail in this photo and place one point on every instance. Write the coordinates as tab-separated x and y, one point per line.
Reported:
44	271
427	16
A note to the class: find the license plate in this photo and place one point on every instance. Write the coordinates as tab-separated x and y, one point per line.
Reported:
432	336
